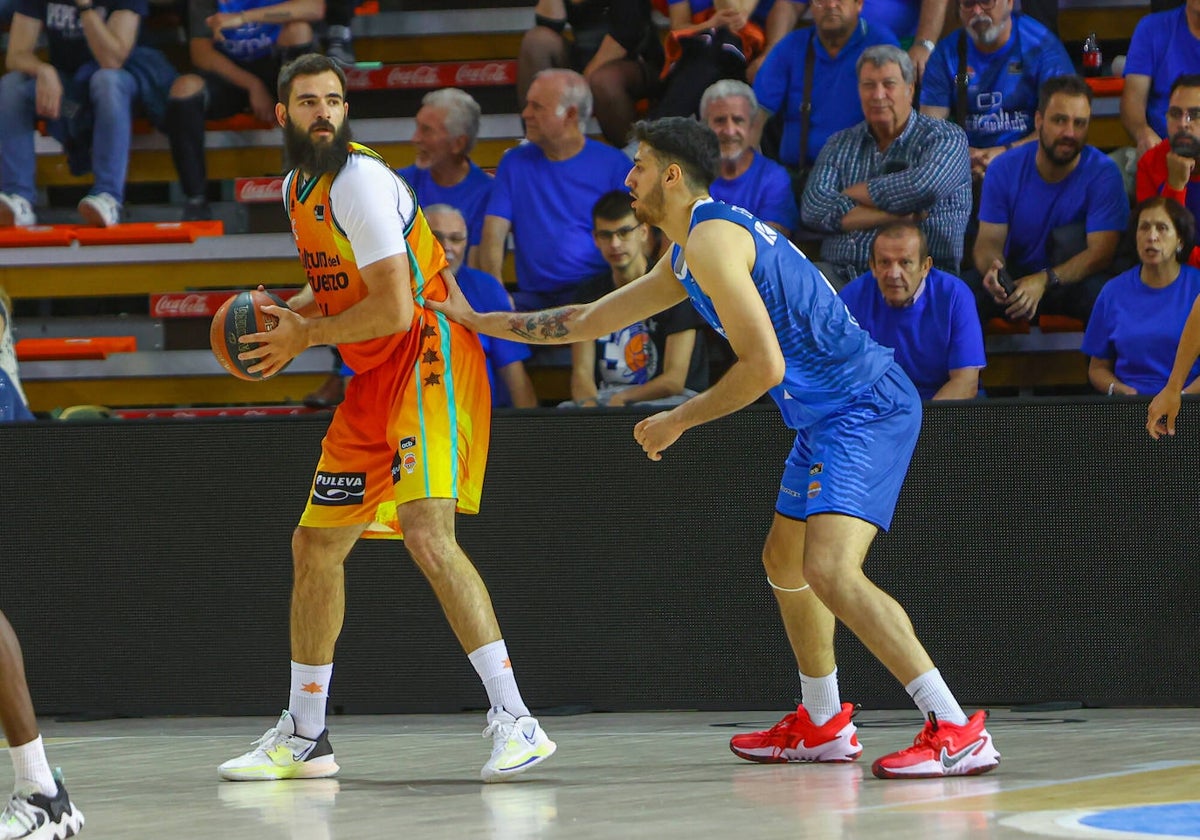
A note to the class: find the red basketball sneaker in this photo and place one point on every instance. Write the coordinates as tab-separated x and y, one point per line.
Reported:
797	738
942	749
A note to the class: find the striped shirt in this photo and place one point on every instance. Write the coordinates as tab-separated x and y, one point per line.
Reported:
925	169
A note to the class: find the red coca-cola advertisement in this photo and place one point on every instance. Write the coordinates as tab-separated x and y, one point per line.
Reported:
191	413
196	304
258	190
434	75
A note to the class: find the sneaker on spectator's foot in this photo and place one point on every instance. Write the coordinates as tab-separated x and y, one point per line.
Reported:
518	743
197	210
15	211
282	754
34	816
339	46
943	749
797	738
100	210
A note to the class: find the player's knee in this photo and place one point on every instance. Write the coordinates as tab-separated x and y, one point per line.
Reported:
825	576
431	549
311	552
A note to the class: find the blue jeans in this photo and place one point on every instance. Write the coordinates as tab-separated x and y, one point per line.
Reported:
110	94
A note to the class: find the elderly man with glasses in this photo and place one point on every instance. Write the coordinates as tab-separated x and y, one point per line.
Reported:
986	76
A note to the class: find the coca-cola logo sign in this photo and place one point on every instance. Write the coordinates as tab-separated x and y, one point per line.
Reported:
412	76
489	73
258	190
197	305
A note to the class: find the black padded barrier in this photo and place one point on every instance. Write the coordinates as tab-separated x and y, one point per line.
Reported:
1045	550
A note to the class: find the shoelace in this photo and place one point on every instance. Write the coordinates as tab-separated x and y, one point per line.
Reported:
20	813
504	727
270	738
783	725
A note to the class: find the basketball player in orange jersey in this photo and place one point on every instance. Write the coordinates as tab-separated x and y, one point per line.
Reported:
406	448
39	807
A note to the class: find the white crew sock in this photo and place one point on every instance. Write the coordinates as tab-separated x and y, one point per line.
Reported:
31	769
492	664
310	693
820	698
931	694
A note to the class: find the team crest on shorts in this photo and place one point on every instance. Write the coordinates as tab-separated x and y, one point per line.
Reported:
817	468
814	489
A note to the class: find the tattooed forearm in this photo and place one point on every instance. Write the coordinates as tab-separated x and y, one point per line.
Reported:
549	325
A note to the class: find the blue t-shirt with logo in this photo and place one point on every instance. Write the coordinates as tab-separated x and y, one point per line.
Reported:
469	196
835	104
1138	327
486	294
249	42
938	333
65	42
1163	48
549	205
765	189
1002	87
1015	194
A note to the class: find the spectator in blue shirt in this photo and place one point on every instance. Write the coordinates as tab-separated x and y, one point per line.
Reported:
511	385
544	192
1004	59
747	178
917	23
925	315
838	36
1164	46
447	126
1051	214
1139	315
896	164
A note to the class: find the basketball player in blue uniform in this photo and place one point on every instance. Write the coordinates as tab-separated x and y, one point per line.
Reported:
856	416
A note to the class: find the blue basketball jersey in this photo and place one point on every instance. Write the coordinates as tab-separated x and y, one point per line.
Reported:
829	358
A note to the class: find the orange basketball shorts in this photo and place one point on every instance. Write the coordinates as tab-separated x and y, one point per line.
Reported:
415	427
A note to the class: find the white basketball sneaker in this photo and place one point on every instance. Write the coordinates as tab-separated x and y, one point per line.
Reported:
15	211
282	754
32	816
518	743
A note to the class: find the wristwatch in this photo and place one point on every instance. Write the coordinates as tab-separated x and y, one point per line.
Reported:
927	44
1052	278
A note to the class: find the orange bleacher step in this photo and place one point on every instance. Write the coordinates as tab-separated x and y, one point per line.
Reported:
134	233
73	349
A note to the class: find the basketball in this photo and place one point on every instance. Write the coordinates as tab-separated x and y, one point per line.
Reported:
241	315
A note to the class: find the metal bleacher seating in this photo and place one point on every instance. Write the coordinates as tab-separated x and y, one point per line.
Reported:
157	292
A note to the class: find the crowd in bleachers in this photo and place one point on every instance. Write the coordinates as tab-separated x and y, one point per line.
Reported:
929	176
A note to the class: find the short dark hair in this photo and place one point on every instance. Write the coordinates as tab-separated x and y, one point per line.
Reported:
1184	80
895	229
1180	216
1069	84
684	141
309	64
613	206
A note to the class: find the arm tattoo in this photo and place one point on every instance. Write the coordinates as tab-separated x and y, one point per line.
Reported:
547	324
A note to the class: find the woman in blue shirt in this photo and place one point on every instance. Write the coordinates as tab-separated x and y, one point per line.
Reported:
1134	329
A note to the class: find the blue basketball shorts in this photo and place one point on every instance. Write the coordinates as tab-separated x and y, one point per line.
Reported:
853	461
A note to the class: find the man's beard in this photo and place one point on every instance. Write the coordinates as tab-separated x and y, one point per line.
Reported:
988	34
312	157
649	209
1057	157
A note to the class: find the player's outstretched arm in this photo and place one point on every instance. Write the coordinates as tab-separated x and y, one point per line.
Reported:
649	294
1160	417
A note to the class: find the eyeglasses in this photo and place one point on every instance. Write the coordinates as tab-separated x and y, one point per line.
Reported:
452	238
985	5
1192	114
620	233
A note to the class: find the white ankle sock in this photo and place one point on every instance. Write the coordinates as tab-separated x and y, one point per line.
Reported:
492	664
310	693
820	698
31	769
931	694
